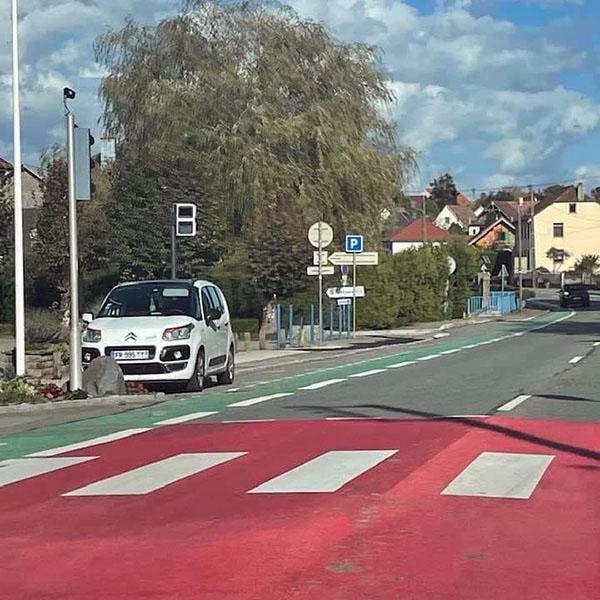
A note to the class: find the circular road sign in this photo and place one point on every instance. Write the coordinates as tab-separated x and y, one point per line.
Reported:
451	265
326	234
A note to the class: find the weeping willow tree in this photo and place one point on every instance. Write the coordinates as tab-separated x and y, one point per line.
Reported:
265	112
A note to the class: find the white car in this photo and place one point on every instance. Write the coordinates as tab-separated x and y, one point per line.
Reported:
164	331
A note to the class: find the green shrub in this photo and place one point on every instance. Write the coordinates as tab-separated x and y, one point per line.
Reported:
245	326
528	294
17	391
379	308
43	327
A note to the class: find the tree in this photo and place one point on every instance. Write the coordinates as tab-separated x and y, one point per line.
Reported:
587	265
467	267
251	108
557	256
509	194
443	191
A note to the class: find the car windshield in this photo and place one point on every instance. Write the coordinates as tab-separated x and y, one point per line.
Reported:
148	300
575	288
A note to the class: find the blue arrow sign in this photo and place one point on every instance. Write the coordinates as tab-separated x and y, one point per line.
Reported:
354	243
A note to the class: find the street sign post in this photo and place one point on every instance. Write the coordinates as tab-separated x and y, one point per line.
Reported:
362	259
325	270
354	246
320	235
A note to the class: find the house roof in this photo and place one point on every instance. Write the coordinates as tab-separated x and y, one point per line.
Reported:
567	195
6	169
508	224
510	208
465	214
462	200
413	232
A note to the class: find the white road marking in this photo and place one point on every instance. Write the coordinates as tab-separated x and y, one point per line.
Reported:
454	351
325	473
17	469
231	390
438	336
470	346
514	403
321	384
529	318
367	373
518	334
155	476
429	357
104	439
575	360
498	339
249	421
402	364
500	475
596	344
252	401
184	418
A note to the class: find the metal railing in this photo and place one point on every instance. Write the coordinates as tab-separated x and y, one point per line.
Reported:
498	303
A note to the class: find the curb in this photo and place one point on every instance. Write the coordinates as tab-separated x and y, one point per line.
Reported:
88	402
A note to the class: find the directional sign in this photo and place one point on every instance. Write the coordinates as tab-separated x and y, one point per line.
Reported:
362	259
344	301
328	270
325	235
346	292
323	260
354	243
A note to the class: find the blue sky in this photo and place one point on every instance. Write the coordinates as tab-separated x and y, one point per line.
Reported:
496	92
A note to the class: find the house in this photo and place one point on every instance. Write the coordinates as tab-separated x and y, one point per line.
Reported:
415	235
31	183
455	214
462	200
565	228
499	235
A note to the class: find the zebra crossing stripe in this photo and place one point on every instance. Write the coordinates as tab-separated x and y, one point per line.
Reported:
18	469
155	476
500	475
325	473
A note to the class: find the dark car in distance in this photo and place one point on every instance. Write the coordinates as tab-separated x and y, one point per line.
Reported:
574	295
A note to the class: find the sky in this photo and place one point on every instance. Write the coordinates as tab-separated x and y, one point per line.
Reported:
495	92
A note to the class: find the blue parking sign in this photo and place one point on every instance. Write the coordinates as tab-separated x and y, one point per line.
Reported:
354	243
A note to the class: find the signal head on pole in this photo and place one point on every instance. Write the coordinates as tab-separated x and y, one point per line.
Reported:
69	94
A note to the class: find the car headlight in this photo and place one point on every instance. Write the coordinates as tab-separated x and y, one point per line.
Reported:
174	334
566	293
92	335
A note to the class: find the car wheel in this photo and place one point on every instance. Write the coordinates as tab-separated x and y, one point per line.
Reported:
226	378
196	382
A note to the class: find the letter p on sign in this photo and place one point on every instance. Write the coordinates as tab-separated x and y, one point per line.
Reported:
354	243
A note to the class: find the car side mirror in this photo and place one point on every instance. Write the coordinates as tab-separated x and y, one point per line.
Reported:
87	318
214	314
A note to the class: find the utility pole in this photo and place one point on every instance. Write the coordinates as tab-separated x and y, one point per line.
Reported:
174	243
75	332
20	366
531	238
320	249
520	250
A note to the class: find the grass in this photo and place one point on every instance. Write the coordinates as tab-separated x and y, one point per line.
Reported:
6	330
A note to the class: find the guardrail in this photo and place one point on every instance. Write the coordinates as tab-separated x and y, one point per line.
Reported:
498	303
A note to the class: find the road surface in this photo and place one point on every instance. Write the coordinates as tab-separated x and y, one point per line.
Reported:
465	467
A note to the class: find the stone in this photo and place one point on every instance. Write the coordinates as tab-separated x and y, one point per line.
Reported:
104	378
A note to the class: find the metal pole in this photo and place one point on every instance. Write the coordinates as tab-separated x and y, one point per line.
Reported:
320	284
353	293
291	324
173	245
20	366
520	249
75	360
423	223
531	238
312	323
330	321
278	325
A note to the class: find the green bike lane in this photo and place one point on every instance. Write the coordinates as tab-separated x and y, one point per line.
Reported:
215	401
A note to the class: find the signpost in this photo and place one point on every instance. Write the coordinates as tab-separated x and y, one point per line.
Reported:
325	270
362	259
346	292
320	235
354	246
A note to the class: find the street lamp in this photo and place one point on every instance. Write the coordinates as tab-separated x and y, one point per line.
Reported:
20	366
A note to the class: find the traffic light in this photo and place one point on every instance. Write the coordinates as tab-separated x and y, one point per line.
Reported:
185	220
82	143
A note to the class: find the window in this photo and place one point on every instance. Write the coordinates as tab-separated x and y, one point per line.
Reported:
207	301
573	208
559	230
447	220
216	298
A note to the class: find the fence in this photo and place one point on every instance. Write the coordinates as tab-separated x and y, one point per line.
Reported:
299	326
499	303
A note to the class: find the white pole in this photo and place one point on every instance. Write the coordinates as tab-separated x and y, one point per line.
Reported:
320	284
20	366
75	361
354	294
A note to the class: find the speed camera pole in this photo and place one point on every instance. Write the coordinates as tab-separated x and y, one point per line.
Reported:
75	334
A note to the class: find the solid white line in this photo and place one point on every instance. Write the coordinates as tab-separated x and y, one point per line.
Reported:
431	356
575	360
500	475
470	346
402	364
252	401
514	403
154	476
518	334
454	351
17	469
249	421
321	384
104	439
184	418
325	473
367	373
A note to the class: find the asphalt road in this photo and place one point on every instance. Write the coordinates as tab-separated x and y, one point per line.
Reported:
463	468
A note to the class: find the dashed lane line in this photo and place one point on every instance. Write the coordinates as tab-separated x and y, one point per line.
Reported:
367	373
514	403
259	399
402	364
575	360
322	384
429	357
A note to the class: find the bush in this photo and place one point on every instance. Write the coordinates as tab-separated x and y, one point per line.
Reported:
528	294
379	308
245	326
43	327
17	391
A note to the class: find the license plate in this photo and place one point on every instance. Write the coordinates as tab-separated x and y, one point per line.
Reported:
130	354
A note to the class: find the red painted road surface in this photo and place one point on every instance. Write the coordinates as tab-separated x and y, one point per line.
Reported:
386	534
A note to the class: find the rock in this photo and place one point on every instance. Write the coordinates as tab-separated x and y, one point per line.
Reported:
104	378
